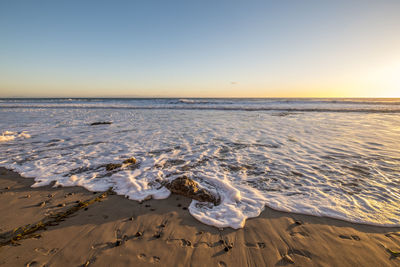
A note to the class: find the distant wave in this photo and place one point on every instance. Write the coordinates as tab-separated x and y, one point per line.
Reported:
200	107
214	101
192	101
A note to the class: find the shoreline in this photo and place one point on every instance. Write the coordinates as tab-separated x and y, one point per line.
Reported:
122	232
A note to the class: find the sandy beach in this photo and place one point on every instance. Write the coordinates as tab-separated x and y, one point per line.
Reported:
199	133
113	231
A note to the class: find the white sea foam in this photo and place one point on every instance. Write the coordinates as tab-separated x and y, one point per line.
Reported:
8	136
24	135
5	138
341	165
9	133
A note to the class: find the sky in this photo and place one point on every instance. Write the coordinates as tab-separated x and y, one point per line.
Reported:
202	48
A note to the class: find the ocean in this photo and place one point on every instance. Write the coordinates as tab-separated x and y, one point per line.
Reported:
337	158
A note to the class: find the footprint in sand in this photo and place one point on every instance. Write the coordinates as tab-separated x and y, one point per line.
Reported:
155	259
185	243
259	245
303	234
203	244
303	253
32	264
162	225
392	235
353	237
288	257
251	245
182	242
142	256
87	263
118	234
157	235
46	252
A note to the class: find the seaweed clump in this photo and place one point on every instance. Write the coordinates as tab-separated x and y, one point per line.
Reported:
393	254
114	166
131	160
100	123
29	231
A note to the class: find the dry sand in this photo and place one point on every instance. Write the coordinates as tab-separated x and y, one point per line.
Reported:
119	232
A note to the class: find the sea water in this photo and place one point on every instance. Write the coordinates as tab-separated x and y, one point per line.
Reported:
326	157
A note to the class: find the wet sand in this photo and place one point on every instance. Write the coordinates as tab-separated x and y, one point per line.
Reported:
115	231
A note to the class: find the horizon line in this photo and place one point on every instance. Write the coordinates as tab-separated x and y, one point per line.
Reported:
181	97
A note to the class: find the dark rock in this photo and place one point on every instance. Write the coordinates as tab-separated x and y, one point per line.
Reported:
61	205
131	218
184	208
118	243
100	123
187	187
113	166
130	161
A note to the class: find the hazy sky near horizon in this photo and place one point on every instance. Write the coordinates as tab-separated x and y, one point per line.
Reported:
200	48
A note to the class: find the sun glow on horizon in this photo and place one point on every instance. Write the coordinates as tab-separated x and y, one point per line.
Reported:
389	78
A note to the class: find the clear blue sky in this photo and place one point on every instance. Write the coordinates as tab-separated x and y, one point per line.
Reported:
200	48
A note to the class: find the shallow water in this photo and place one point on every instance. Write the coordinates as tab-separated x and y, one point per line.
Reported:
325	157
